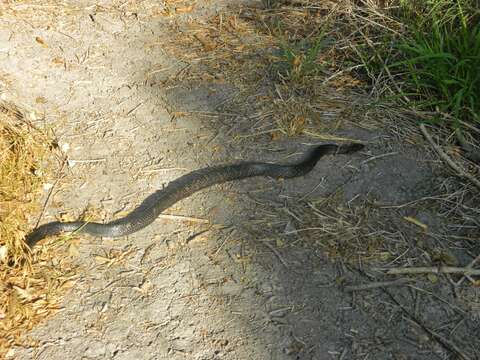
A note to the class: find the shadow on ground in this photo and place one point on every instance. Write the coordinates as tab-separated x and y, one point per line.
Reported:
264	277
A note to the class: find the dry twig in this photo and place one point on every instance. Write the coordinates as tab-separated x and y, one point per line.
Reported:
275	251
376	285
460	172
183	218
433	270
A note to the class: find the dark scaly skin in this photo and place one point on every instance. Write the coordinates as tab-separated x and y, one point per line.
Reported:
183	187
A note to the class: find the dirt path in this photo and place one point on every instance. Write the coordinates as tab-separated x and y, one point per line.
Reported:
222	285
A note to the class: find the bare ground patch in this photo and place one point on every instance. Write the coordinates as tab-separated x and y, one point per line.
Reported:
256	269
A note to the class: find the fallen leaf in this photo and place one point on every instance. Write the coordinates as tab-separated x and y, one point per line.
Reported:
296	61
206	43
432	278
58	61
185	9
275	135
39	40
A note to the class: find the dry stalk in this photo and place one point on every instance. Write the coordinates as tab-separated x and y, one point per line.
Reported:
458	170
376	285
433	270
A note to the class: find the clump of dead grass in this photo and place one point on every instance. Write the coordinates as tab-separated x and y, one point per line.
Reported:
20	180
282	59
29	290
355	233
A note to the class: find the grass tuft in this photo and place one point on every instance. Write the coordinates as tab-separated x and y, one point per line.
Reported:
441	61
299	60
22	150
29	290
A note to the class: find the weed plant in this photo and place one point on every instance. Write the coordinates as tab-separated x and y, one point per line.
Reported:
440	58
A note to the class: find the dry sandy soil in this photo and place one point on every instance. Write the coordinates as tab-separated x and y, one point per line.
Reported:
243	279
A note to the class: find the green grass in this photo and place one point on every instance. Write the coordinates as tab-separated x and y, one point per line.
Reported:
298	60
434	60
441	63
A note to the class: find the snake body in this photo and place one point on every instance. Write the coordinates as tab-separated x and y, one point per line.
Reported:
185	186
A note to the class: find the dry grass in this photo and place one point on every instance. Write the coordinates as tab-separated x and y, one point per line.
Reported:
303	91
29	290
264	51
354	233
22	150
312	66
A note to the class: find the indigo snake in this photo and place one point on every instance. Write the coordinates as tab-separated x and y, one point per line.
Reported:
185	186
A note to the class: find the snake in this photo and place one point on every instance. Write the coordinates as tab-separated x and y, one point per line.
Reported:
185	186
